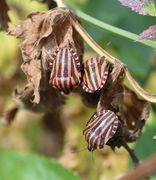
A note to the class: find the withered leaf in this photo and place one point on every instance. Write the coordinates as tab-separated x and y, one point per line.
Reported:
112	92
10	114
149	33
4	18
43	33
32	69
50	99
134	112
51	29
144	7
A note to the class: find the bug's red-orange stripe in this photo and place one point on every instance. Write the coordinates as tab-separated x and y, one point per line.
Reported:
104	128
95	125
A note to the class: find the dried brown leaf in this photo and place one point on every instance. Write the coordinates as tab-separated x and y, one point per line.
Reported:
10	114
111	95
44	32
50	99
32	69
134	112
4	18
51	29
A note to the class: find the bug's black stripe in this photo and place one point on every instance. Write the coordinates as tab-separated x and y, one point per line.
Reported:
110	131
98	140
60	61
96	85
99	118
66	61
101	61
98	60
88	74
92	131
73	71
95	74
97	130
104	76
65	69
71	85
98	135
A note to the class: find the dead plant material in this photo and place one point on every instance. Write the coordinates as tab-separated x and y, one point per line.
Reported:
4	18
134	112
50	99
43	33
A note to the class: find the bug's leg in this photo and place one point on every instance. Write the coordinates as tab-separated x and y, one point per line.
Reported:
50	64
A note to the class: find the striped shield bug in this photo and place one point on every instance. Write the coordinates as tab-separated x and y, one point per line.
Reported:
95	74
100	128
65	68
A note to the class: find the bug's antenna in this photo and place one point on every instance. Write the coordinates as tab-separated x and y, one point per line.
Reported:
93	160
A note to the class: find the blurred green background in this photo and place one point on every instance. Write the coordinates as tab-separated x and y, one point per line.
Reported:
29	132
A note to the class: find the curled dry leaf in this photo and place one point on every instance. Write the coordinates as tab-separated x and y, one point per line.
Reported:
111	95
144	7
149	33
134	112
51	29
50	99
43	33
4	18
10	114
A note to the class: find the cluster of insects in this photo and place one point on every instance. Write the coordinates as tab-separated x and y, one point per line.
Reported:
67	72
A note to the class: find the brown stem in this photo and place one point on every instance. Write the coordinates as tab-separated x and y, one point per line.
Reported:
131	153
148	168
102	52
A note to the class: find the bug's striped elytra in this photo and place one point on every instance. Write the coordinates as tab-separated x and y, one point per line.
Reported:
95	74
65	68
100	128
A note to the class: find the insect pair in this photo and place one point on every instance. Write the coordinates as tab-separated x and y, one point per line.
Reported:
67	71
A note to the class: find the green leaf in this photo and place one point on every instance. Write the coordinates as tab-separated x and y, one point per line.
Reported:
23	166
150	9
146	145
113	29
144	7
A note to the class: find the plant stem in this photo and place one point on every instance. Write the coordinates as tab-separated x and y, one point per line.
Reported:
102	52
113	29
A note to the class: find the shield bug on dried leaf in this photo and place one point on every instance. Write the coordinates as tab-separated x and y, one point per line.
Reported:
100	128
95	74
65	69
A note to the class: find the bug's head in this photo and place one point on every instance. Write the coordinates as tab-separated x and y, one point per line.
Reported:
91	148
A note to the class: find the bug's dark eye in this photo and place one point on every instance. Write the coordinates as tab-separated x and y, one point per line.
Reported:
49	69
72	51
90	148
79	68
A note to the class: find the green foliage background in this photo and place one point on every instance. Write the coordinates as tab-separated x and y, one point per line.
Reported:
26	132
